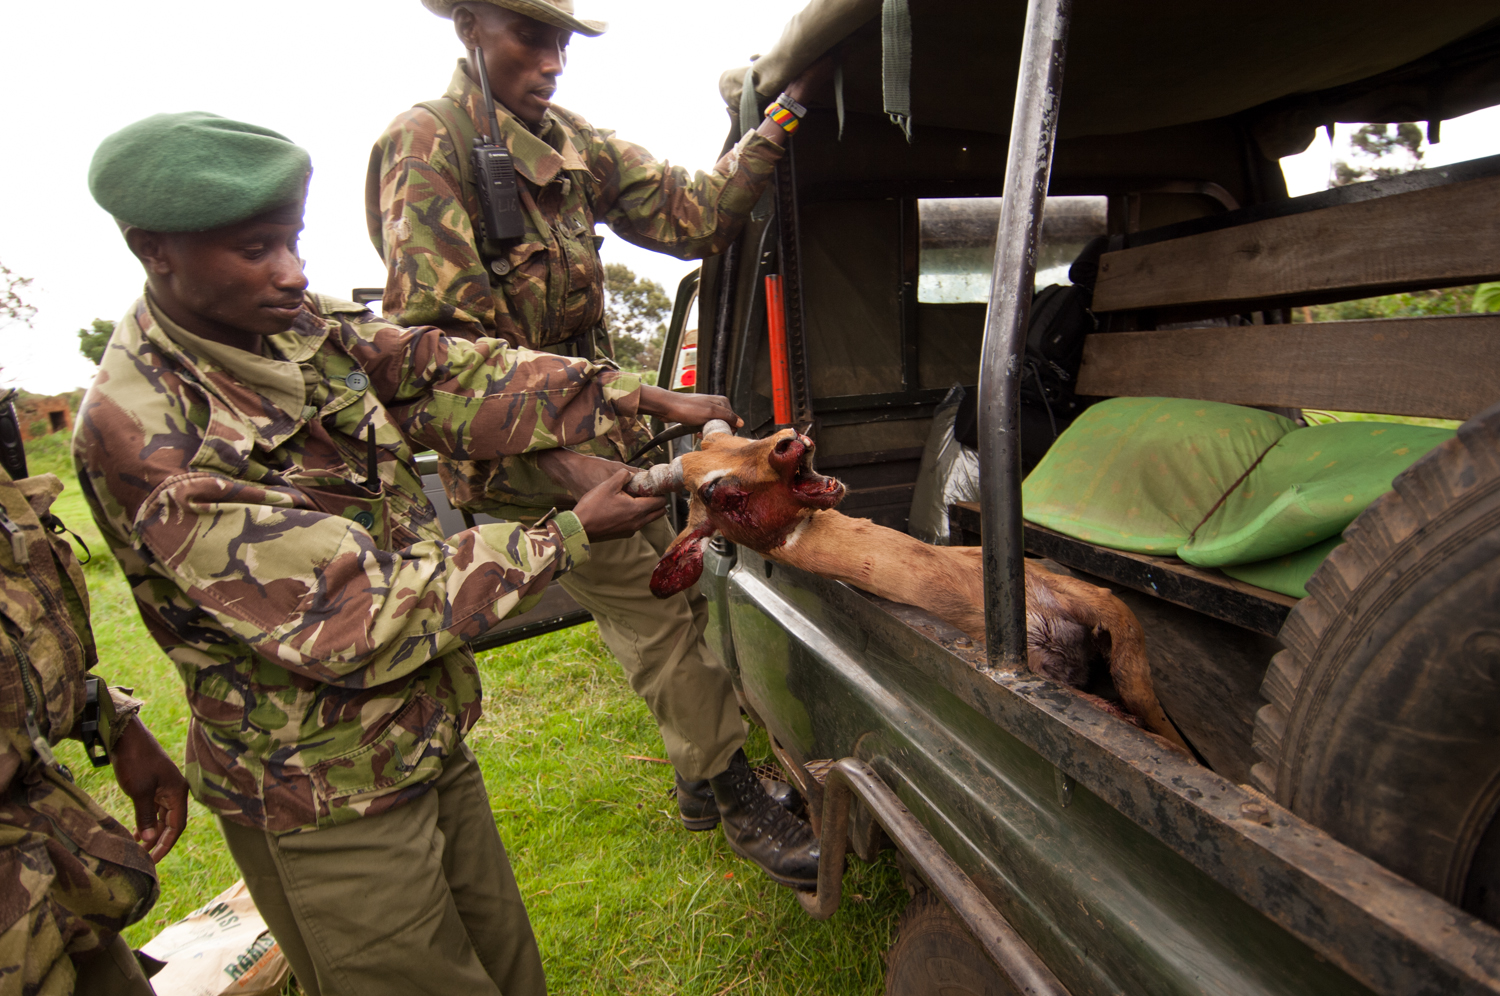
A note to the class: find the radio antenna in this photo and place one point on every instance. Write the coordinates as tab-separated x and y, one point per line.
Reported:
493	127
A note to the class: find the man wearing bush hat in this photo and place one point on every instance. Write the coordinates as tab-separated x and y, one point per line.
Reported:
246	450
544	289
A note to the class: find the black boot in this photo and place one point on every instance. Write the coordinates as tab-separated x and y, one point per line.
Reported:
699	811
763	832
695	801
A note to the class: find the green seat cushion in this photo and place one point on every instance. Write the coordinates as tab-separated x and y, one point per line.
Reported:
1138	474
1310	485
1142	474
1288	573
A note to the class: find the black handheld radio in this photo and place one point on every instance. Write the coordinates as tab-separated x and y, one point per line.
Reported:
494	173
12	450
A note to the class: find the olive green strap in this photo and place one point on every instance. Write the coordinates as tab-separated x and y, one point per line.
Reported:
749	119
895	62
461	127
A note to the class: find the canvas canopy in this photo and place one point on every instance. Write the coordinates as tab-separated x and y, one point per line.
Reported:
1288	66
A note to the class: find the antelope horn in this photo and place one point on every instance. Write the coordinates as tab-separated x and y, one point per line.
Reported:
665	477
657	480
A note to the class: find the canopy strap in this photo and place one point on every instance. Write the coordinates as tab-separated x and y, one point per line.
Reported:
895	62
749	119
838	94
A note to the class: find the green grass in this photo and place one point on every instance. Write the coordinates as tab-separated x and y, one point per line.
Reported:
623	900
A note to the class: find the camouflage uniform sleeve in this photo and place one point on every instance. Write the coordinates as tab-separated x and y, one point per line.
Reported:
126	707
486	400
313	592
421	228
656	205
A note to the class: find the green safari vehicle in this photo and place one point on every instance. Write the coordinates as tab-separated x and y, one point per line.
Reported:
1336	832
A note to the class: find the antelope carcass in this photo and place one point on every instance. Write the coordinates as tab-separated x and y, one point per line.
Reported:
764	494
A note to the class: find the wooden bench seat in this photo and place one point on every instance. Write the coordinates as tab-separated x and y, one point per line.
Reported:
1440	367
1406	241
1201	589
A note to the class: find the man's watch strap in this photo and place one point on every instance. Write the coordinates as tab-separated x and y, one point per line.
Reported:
106	713
787	113
791	105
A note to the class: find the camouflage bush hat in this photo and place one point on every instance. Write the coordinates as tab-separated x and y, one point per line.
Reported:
194	171
558	13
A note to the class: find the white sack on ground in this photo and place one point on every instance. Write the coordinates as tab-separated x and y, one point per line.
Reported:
222	947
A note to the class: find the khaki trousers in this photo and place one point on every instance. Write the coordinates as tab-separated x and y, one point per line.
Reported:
659	642
419	899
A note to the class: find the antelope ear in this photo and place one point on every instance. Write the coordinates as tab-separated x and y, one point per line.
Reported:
682	564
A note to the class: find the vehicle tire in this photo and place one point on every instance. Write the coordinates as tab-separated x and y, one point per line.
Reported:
935	953
1383	722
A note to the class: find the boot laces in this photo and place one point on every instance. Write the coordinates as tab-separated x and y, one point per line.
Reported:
768	817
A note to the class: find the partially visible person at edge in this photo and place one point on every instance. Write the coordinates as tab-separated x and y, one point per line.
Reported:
247	452
71	877
546	291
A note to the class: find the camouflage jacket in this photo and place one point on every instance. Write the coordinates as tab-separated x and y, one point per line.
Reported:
71	877
548	286
546	290
315	611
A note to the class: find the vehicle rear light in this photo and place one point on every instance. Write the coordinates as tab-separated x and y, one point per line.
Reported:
686	374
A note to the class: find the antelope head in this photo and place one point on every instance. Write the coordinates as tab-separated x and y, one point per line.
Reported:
753	491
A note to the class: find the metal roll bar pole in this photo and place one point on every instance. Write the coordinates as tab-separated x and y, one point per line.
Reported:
1028	168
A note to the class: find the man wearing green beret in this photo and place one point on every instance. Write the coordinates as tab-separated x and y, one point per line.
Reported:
544	289
247	452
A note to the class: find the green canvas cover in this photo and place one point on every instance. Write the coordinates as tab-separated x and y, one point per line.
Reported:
1150	63
1218	485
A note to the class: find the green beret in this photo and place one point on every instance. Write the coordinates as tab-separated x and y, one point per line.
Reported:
194	171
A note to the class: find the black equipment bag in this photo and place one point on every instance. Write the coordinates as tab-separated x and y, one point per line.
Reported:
1060	320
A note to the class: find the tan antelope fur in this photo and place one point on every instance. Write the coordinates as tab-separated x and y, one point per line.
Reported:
764	494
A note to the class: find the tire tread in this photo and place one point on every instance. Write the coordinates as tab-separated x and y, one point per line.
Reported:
1360	575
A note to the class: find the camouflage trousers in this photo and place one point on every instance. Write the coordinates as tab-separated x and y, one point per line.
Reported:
108	971
659	642
71	878
419	899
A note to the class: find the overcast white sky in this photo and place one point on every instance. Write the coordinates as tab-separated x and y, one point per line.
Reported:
330	74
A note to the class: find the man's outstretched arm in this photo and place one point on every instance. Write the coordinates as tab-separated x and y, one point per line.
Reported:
659	206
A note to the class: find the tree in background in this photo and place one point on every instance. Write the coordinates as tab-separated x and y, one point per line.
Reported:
91	342
1386	150
637	310
13	308
1412	304
1487	297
